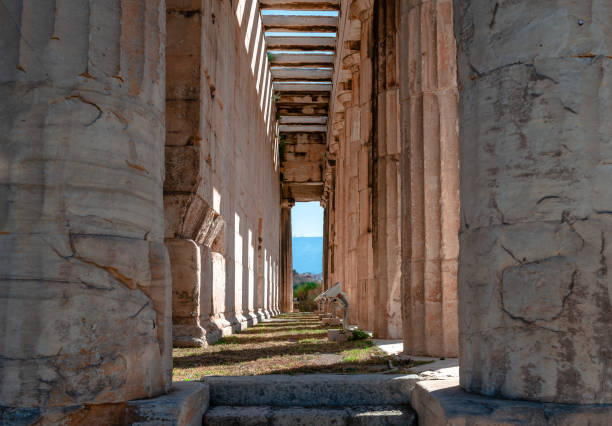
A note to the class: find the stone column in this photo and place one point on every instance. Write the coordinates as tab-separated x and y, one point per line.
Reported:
191	223
362	10
286	292
351	200
535	290
386	199
429	170
84	274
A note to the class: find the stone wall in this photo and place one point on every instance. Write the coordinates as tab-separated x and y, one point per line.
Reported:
222	181
84	274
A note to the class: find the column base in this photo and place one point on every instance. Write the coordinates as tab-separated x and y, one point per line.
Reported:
184	405
188	336
443	402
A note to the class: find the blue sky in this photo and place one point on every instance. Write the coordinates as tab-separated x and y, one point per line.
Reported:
307	219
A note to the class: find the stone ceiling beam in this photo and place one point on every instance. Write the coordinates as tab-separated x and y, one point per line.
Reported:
301	43
301	74
300	4
304	109
301	60
298	87
301	128
303	98
300	23
303	119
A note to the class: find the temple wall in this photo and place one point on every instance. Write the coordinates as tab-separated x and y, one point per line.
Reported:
222	181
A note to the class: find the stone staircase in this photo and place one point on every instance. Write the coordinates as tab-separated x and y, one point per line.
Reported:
318	399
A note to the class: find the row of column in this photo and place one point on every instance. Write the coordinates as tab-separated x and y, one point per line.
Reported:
362	181
351	240
224	276
529	271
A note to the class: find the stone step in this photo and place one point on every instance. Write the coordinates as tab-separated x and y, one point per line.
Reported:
296	416
312	390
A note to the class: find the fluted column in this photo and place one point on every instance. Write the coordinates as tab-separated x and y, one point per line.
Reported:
429	169
535	290
364	166
351	199
286	292
386	200
84	275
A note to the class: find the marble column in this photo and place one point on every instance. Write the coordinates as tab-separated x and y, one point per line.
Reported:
535	290
429	170
386	200
191	224
286	289
85	284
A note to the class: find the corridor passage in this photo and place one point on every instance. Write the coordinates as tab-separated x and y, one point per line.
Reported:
287	344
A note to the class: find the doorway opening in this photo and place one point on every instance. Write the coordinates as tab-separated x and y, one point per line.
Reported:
307	254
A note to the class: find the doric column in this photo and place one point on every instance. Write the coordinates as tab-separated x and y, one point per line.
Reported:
535	289
429	169
84	275
350	196
190	220
286	293
386	196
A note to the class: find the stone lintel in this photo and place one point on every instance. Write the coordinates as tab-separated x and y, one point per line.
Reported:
443	402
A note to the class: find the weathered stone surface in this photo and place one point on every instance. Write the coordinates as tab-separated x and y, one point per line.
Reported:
364	415
286	266
229	415
536	317
184	405
186	286
443	402
430	178
220	178
337	335
83	273
313	390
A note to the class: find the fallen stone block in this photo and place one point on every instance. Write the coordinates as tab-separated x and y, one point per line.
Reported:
336	335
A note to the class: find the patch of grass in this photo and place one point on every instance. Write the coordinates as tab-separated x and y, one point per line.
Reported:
310	340
360	335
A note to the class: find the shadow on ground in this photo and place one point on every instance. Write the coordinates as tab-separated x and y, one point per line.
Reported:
288	344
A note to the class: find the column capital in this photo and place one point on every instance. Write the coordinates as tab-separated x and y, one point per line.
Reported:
287	203
361	9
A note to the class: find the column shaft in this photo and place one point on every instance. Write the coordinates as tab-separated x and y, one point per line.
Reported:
536	166
286	294
386	196
85	284
429	168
